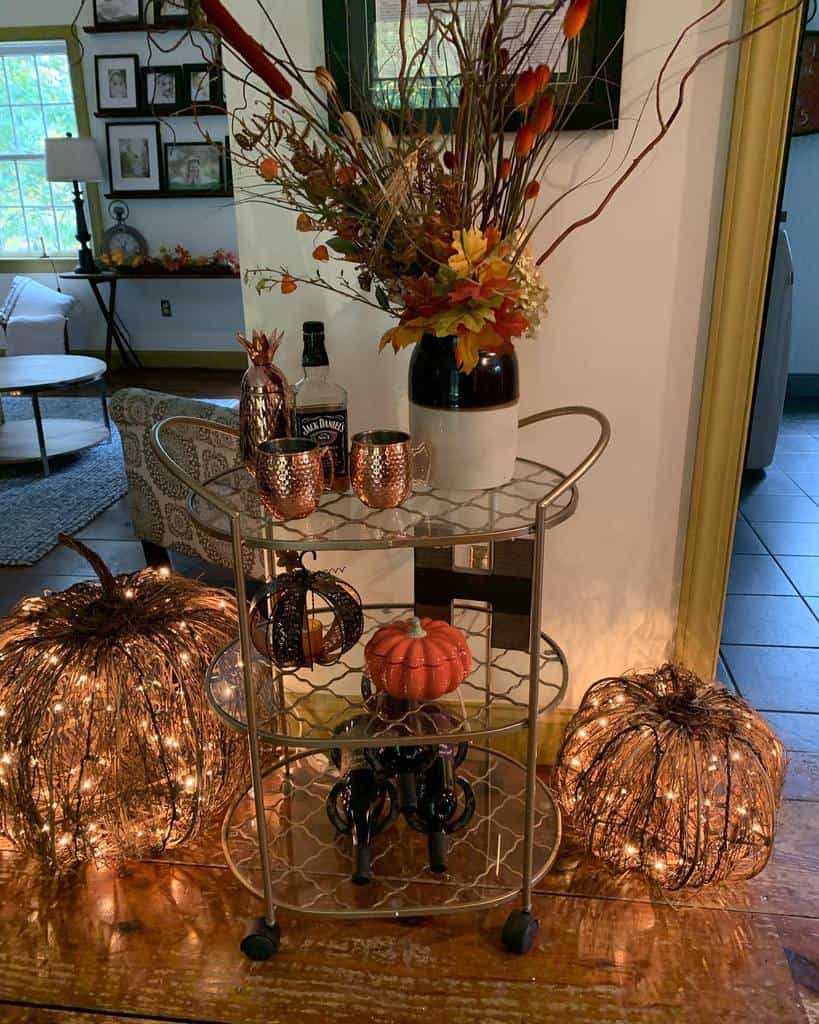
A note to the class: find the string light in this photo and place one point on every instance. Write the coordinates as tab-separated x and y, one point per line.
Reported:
655	782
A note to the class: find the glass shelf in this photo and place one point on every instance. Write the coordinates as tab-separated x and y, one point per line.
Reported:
304	708
310	863
429	518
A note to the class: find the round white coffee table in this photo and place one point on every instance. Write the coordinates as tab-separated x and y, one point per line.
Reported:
38	438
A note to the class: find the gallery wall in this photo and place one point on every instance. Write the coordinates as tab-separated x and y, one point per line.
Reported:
626	333
205	314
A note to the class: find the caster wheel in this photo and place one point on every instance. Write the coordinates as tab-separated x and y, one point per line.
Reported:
520	931
261	941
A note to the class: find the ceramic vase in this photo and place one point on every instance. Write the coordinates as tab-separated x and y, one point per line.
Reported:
469	422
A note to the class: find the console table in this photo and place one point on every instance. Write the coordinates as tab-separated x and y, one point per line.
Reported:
114	334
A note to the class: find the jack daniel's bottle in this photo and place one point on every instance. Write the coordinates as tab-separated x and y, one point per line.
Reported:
321	405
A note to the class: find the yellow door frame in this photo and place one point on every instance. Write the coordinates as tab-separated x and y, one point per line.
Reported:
753	182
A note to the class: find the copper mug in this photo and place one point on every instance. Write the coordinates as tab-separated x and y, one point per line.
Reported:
383	467
292	473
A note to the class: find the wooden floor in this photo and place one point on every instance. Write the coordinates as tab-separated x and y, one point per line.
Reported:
158	942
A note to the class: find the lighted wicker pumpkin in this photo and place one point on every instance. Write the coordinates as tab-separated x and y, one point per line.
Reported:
108	748
420	659
674	777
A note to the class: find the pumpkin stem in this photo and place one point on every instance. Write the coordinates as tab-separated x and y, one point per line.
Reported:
416	630
106	577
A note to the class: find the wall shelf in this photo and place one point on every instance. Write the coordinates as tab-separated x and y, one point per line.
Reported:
203	110
107	29
222	194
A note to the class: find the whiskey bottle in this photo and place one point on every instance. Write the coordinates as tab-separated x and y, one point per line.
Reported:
321	404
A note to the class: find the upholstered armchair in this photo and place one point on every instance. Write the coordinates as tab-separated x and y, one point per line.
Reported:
157	499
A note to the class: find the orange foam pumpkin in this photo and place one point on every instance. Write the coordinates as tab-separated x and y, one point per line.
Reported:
419	659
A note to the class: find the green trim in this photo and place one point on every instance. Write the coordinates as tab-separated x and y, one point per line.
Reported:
180	360
68	33
37	265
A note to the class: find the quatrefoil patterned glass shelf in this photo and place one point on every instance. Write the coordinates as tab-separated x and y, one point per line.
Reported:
309	861
303	708
428	518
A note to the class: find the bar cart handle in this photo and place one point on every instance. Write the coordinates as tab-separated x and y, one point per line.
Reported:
582	467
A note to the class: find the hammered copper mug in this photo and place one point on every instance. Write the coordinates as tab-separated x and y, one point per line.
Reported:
291	476
383	467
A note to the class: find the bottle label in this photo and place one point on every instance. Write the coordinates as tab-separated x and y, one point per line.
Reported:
328	430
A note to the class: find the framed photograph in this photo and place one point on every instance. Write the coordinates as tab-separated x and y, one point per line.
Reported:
172	12
363	52
117	84
194	167
134	156
162	90
203	85
118	13
228	165
806	111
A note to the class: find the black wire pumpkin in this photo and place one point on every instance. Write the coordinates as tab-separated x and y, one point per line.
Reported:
280	614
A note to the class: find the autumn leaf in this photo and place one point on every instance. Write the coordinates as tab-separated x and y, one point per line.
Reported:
470	249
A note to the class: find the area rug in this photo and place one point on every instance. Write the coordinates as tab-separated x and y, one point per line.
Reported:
34	508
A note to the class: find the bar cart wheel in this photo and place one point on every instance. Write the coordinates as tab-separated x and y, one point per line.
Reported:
520	931
262	940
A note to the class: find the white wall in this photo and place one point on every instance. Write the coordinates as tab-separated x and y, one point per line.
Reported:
802	204
626	333
205	314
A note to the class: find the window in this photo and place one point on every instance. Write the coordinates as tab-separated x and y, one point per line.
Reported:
36	101
363	53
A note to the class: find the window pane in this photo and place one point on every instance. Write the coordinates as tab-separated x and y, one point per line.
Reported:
22	78
67	225
55	78
6	131
63	193
33	183
41	225
12	230
60	119
28	126
4	95
9	193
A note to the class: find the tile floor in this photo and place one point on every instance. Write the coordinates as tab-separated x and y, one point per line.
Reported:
770	639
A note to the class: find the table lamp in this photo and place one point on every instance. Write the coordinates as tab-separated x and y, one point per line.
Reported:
76	160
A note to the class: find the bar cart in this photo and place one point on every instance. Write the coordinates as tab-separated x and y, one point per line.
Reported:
281	837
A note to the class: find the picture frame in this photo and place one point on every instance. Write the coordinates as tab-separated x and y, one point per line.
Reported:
203	85
228	165
172	12
134	157
118	83
589	83
162	88
194	167
119	13
806	106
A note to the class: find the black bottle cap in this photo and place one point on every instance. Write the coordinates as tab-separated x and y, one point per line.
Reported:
315	354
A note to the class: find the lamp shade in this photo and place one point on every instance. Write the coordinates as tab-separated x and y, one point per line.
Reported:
70	159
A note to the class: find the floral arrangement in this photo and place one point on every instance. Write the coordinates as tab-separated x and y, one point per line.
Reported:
434	228
171	261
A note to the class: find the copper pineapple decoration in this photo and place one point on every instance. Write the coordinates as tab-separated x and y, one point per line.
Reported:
266	404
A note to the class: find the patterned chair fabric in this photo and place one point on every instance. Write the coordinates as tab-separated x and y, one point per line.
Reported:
157	498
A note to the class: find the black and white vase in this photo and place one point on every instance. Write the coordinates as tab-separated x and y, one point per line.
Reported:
469	422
